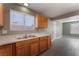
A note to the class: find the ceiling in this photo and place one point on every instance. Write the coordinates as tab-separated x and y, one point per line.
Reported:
54	9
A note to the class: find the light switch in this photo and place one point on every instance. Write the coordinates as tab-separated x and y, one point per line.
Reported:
4	31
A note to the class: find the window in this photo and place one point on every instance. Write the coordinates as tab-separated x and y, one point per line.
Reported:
29	21
74	28
20	21
16	18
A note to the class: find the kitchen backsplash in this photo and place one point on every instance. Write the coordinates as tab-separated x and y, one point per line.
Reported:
0	31
27	32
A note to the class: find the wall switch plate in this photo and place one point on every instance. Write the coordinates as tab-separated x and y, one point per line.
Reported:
4	31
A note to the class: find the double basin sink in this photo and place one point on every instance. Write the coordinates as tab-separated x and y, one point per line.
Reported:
25	36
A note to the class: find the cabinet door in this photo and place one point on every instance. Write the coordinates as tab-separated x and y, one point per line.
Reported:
23	48
41	21
35	46
34	49
43	44
6	50
27	47
49	41
45	22
20	48
27	50
1	14
20	51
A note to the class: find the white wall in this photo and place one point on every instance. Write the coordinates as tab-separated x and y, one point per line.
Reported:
74	28
55	28
70	19
58	29
50	28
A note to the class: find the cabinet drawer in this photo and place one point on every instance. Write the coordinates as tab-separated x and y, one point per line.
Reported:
42	38
20	43
6	50
34	40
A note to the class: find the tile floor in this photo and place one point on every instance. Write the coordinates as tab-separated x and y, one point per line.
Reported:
66	46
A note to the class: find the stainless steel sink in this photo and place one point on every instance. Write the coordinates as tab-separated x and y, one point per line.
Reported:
25	36
30	36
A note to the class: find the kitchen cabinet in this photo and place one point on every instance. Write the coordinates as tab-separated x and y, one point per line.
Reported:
35	46
2	12
22	48
41	22
43	43
45	21
6	50
20	51
49	41
26	47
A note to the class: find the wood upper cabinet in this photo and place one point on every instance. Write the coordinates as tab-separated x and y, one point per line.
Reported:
6	50
43	43
41	21
45	21
34	46
23	48
1	14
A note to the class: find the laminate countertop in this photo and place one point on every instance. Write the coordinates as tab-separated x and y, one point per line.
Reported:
8	39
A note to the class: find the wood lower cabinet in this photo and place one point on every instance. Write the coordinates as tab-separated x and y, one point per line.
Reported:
49	41
31	47
20	51
43	44
35	46
23	48
27	47
20	48
6	50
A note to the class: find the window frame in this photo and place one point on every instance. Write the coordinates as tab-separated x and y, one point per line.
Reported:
31	28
